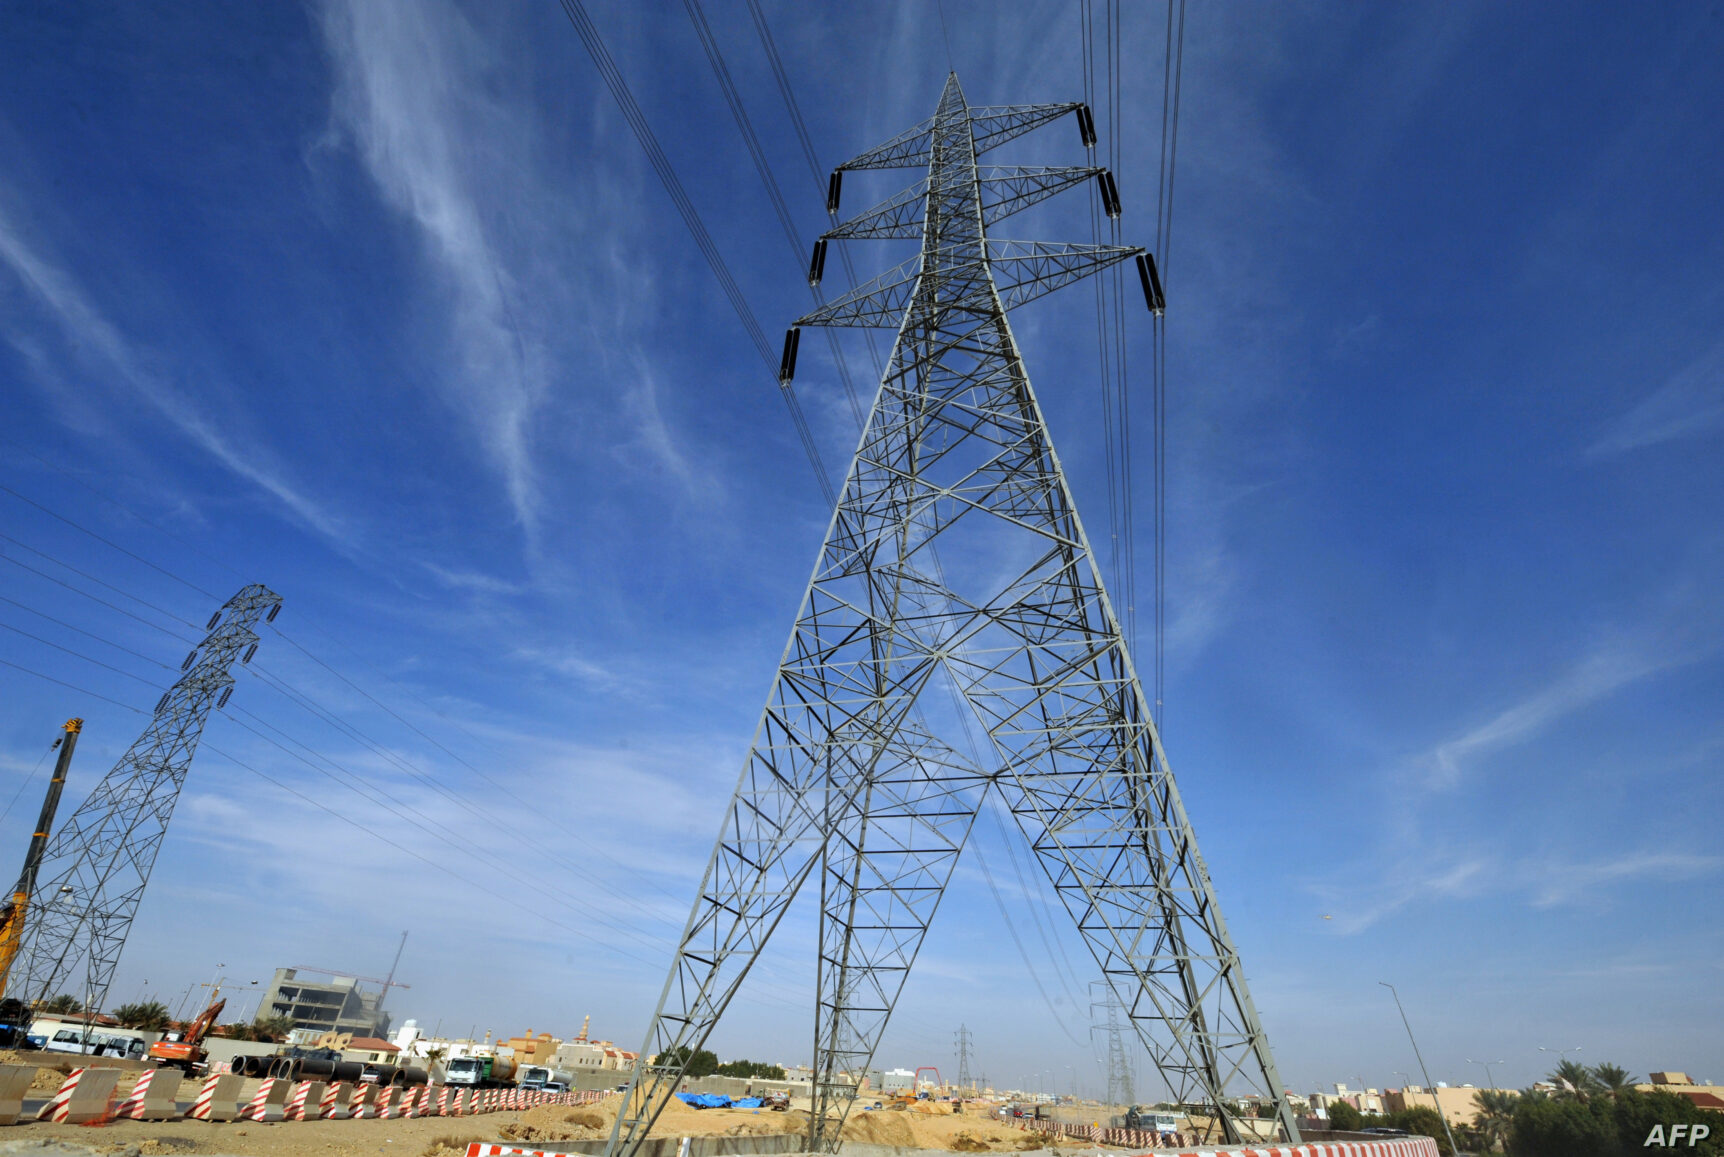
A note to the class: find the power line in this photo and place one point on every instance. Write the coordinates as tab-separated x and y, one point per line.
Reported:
325	716
99	538
99	582
94	598
82	631
72	686
763	167
81	655
614	80
815	172
28	780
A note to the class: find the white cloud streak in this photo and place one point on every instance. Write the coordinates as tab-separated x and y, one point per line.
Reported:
409	91
98	341
1690	404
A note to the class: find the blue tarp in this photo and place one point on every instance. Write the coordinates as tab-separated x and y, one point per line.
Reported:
706	1100
746	1103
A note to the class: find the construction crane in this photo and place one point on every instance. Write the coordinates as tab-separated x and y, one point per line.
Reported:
187	1052
13	915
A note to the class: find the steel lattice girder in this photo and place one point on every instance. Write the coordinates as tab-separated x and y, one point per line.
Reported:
96	867
1029	269
1006	189
846	780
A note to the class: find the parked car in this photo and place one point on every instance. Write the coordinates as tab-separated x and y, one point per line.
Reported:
98	1044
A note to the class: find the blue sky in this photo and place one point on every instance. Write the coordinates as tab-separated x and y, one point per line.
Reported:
381	305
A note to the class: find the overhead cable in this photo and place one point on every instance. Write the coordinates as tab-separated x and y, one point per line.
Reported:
614	80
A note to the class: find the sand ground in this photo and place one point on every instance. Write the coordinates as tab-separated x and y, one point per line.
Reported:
925	1126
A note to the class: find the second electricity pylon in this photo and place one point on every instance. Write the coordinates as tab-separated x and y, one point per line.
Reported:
847	779
961	1040
1119	1084
98	863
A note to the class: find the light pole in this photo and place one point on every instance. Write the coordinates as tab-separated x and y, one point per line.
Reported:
1443	1117
1489	1080
1560	1054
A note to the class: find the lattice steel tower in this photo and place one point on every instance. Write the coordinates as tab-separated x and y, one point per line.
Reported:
98	863
848	781
1119	1083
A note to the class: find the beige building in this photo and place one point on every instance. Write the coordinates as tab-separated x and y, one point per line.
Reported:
533	1050
1705	1096
1457	1106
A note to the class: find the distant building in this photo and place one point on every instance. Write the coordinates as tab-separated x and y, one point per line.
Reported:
1458	1106
370	1050
533	1050
1703	1095
337	1005
897	1081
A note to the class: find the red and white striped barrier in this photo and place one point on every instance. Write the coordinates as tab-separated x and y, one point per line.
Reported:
306	1103
333	1107
83	1096
154	1097
269	1101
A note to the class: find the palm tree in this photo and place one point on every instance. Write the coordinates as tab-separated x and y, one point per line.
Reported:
1494	1116
1612	1079
1575	1080
150	1015
274	1027
64	1003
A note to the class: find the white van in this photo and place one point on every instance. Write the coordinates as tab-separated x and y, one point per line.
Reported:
101	1044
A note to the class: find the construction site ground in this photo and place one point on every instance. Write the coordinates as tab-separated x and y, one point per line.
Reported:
926	1125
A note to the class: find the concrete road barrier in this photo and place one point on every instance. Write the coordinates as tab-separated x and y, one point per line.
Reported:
218	1099
337	1102
306	1102
154	1098
14	1083
84	1096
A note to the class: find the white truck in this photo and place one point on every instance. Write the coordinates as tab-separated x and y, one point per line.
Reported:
539	1076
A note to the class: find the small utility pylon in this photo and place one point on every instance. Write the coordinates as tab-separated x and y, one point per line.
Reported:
962	1040
99	862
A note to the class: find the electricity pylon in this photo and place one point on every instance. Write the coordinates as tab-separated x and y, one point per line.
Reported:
99	862
1119	1083
848	781
961	1040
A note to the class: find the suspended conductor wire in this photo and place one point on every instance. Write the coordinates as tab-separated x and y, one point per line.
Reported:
72	686
85	575
614	80
1172	76
81	655
96	599
788	93
93	534
28	780
763	167
287	689
79	630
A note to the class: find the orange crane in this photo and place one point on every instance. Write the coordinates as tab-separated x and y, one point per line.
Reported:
12	915
188	1052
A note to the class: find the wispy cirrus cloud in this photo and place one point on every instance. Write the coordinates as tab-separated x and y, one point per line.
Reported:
1690	404
1542	881
99	343
411	94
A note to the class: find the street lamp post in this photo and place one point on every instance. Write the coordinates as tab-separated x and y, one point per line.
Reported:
1489	1080
1441	1116
1560	1054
